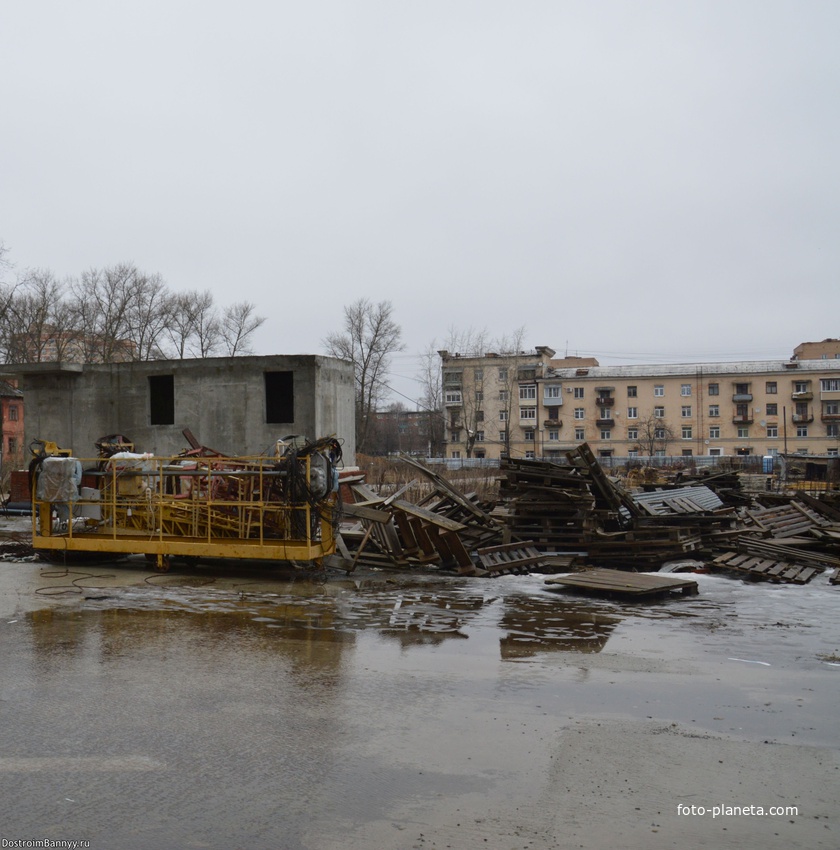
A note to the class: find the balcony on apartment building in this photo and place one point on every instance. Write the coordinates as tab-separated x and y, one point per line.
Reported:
741	396
605	422
804	395
605	401
802	416
830	417
741	417
552	423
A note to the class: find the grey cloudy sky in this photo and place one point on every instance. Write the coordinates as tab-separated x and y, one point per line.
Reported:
641	181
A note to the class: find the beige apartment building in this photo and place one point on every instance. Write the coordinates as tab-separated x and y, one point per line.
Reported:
530	404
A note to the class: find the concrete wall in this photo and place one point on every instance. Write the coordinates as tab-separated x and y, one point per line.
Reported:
221	400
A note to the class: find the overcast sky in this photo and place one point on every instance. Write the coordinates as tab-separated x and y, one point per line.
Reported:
639	181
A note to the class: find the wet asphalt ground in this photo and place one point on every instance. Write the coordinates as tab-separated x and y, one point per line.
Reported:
224	707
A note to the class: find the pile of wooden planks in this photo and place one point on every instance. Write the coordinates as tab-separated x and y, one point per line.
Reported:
555	516
789	541
446	529
576	507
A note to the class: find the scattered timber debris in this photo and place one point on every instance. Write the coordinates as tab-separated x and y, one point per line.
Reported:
558	517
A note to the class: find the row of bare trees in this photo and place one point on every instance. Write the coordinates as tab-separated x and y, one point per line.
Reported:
113	314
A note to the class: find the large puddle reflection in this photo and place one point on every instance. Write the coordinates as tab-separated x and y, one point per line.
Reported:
322	619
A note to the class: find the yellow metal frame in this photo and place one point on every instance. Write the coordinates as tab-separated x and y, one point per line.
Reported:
200	507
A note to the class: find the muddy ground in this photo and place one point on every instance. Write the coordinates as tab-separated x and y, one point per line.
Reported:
223	707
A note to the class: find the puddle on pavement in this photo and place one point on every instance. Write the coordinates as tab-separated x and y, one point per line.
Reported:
522	625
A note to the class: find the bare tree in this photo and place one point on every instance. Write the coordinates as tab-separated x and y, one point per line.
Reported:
369	339
204	341
147	315
102	301
429	378
7	293
654	435
237	324
38	322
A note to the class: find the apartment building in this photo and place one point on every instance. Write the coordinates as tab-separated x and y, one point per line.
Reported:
529	404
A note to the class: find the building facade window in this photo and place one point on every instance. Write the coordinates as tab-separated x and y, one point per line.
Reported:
580	413
527	412
579	392
632	392
553	391
771	388
579	434
605	434
503	395
479	436
658	390
13	413
686	411
830	385
714	389
714	432
632	412
685	389
529	435
686	432
773	409
452	397
632	433
503	373
743	432
772	432
659	412
801	430
553	434
528	392
714	411
503	415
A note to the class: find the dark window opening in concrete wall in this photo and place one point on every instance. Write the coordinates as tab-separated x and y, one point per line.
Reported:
279	397
162	399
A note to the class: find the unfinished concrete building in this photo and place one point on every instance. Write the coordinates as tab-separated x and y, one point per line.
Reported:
235	405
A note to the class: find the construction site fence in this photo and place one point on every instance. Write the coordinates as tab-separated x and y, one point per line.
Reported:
750	463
